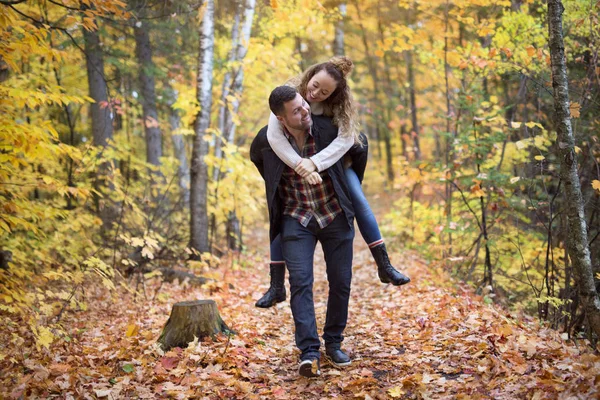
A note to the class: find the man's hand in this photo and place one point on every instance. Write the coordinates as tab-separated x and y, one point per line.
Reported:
314	178
305	167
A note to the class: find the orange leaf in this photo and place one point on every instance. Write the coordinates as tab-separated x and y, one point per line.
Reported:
507	51
574	109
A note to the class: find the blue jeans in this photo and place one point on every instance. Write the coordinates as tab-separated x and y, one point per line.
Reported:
298	250
365	219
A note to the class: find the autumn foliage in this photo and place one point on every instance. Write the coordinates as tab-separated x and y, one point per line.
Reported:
456	99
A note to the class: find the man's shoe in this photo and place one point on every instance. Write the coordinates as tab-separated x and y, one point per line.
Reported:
338	357
276	292
387	273
309	368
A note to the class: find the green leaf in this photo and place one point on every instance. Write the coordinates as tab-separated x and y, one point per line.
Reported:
128	368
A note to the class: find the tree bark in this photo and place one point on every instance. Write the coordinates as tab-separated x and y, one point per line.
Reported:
381	128
577	241
224	110
240	42
413	104
238	75
102	121
143	52
190	319
102	128
178	144
199	169
338	41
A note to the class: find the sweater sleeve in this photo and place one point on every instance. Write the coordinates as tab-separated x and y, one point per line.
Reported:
333	152
280	145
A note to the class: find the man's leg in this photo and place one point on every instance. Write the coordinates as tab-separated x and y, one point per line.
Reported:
298	251
336	240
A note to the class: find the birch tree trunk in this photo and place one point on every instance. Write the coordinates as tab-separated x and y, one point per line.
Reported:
199	169
238	75
577	241
232	91
143	52
223	110
338	41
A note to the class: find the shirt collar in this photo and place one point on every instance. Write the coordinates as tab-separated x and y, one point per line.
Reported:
288	135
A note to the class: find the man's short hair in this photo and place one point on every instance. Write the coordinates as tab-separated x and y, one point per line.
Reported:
279	96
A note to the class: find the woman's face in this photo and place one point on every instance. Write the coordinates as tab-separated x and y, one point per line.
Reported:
320	87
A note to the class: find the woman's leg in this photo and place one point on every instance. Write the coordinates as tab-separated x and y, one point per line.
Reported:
369	229
276	291
365	219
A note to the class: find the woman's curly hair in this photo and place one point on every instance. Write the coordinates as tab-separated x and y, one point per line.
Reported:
340	105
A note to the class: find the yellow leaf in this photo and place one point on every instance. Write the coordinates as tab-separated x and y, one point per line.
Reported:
137	242
379	53
146	252
596	184
530	50
132	330
44	337
539	158
534	124
396	392
274	4
515	125
515	179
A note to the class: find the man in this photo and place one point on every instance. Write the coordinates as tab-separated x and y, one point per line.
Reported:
304	214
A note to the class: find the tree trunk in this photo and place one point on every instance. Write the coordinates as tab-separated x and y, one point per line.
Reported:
381	128
224	110
102	128
449	141
199	169
338	41
102	124
238	75
577	241
143	52
178	144
240	42
413	104
190	319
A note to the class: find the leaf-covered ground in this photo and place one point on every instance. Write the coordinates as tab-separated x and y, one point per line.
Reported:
430	339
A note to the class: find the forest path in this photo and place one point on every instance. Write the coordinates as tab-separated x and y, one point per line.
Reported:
428	339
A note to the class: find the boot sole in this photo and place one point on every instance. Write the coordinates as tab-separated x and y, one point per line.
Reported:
337	364
270	304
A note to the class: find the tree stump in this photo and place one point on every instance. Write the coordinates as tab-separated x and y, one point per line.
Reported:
199	318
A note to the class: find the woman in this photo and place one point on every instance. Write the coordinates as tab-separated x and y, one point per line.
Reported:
325	88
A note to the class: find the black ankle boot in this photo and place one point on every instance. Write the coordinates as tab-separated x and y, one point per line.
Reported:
276	292
387	273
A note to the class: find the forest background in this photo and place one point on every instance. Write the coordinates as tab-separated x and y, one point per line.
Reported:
126	127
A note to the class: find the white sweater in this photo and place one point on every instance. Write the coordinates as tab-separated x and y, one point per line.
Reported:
322	160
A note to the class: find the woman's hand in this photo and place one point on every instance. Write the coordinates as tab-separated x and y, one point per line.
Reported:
305	167
314	178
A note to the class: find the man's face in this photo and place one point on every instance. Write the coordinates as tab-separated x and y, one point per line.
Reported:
296	114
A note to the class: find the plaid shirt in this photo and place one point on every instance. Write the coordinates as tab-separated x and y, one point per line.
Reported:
301	200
